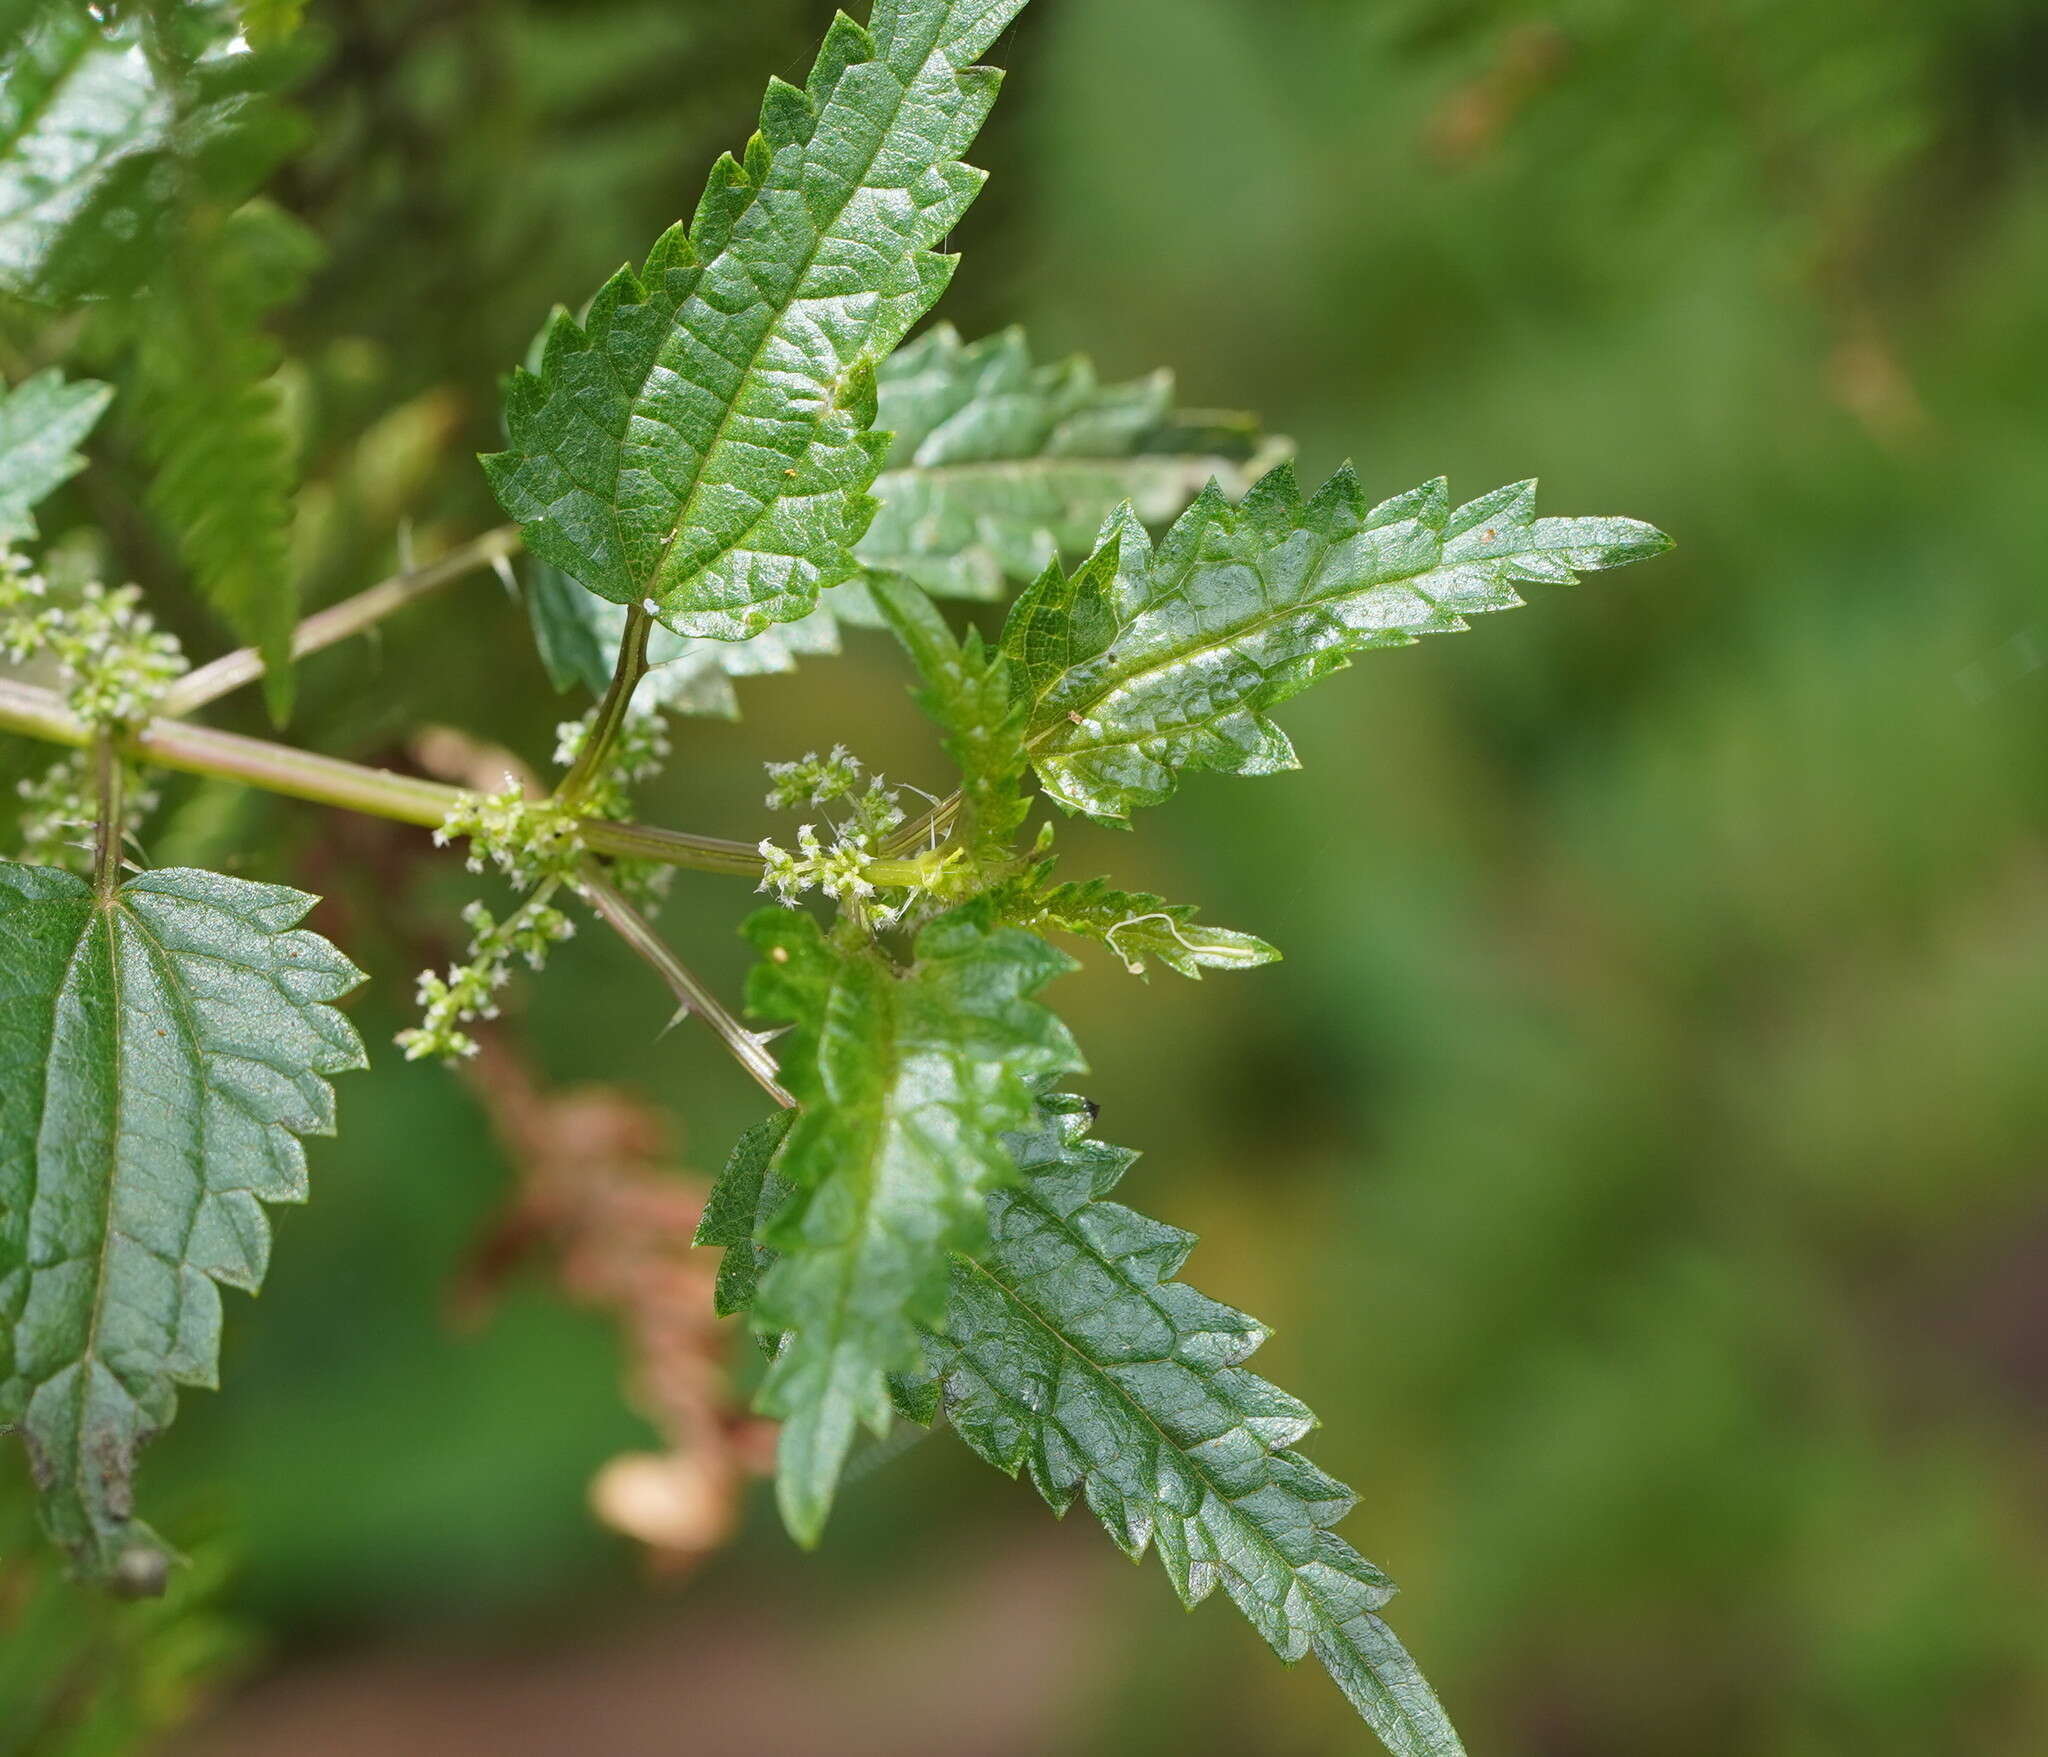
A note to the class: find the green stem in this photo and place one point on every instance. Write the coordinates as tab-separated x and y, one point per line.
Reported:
748	1047
612	711
325	780
106	847
353	616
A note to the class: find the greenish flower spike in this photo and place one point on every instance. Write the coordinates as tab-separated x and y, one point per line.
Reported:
165	1051
907	1082
1070	1350
704	441
1144	663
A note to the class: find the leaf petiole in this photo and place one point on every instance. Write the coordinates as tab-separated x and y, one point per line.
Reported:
612	711
107	829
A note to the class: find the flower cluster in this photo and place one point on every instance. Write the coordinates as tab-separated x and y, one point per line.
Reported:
531	841
59	811
115	665
469	991
639	753
537	844
813	779
115	662
841	868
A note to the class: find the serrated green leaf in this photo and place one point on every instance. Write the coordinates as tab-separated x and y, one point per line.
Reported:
1140	927
42	422
1070	1350
968	692
1144	663
997	464
746	1193
161	1054
906	1082
704	441
578	634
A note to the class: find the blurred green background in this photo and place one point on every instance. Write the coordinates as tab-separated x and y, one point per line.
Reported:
1640	1153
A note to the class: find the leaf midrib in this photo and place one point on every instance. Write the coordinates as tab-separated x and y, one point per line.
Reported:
1332	1625
849	1276
112	914
100	917
820	235
1124	1397
1312	596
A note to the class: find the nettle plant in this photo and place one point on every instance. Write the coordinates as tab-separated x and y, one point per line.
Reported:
726	456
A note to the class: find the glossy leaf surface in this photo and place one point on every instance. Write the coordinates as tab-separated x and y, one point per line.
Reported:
1143	929
997	464
704	441
81	118
1147	662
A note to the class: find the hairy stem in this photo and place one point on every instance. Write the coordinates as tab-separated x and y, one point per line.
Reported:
353	616
748	1048
612	711
324	780
106	845
928	828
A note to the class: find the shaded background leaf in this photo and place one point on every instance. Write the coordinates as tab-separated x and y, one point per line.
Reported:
42	422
